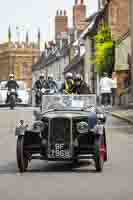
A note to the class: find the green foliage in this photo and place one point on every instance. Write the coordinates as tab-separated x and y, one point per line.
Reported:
104	55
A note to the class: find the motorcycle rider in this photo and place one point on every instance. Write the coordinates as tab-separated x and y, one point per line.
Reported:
39	84
80	87
51	84
11	84
68	85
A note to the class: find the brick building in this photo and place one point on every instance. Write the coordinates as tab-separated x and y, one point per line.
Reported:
61	27
118	21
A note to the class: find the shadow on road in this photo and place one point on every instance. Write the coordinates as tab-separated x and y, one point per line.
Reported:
82	167
8	168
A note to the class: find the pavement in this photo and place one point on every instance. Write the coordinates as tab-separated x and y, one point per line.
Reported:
124	113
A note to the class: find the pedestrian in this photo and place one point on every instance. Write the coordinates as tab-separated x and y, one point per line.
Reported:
105	89
114	88
68	84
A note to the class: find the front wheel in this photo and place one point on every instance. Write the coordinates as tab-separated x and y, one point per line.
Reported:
22	160
12	101
99	155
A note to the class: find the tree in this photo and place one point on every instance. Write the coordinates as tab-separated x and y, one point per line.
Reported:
104	55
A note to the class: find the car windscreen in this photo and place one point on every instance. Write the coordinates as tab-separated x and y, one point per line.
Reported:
67	102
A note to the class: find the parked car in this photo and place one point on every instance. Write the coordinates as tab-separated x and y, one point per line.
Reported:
68	129
23	93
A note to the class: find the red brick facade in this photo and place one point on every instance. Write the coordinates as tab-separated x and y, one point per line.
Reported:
118	17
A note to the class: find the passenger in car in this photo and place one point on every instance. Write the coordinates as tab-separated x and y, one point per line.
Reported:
80	87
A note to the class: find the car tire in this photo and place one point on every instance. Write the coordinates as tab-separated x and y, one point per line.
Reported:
22	161
105	143
99	155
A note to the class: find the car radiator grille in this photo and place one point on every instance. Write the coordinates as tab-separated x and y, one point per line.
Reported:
60	130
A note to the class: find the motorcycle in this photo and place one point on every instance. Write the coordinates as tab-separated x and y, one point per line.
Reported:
12	98
41	92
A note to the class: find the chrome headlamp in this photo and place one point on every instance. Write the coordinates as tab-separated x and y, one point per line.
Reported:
100	116
38	126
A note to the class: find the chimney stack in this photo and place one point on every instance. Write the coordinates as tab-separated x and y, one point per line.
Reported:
79	15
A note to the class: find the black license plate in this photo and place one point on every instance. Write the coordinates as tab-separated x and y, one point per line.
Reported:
59	151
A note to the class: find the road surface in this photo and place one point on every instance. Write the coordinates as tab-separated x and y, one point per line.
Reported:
52	181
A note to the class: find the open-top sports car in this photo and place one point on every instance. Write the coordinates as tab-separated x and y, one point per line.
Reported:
69	128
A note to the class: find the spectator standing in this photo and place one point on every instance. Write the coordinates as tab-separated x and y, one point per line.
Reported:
114	87
105	89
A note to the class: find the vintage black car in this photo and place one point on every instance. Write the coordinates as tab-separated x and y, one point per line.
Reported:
69	128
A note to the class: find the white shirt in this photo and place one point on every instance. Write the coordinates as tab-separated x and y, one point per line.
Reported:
106	85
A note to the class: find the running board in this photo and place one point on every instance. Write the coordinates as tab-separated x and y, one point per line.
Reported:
86	156
38	158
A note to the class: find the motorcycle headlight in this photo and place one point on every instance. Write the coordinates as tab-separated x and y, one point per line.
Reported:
82	127
43	90
100	116
12	90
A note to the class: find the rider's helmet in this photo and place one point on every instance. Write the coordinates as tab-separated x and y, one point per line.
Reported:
77	79
11	76
41	76
69	76
50	77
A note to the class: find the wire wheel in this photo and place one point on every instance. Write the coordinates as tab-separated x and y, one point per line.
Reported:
99	157
22	160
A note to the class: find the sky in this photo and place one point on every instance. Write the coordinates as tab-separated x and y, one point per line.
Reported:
29	15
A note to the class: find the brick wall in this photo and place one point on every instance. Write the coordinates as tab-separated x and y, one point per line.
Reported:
118	17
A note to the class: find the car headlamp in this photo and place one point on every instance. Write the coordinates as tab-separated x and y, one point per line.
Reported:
38	126
82	127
